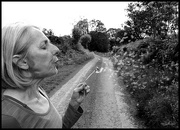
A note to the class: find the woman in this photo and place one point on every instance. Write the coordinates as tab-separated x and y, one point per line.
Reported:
27	58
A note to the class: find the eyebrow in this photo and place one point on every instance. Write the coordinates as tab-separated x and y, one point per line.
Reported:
45	40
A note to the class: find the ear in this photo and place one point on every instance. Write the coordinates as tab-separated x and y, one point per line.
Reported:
21	63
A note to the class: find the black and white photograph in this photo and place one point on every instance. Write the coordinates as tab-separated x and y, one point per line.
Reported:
90	64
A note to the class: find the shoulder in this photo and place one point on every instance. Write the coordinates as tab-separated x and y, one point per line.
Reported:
9	122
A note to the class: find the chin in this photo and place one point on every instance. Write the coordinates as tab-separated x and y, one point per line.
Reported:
56	70
50	73
53	73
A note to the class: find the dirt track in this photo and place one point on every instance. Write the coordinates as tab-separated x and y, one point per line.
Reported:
105	106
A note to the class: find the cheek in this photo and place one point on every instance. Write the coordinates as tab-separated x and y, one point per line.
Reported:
39	67
38	62
31	63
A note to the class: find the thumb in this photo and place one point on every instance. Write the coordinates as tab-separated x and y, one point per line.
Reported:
79	88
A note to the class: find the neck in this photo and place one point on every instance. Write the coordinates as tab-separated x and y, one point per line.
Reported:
27	94
32	91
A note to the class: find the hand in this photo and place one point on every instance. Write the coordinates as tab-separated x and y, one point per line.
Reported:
79	94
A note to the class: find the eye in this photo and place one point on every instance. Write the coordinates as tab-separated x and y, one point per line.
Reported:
44	45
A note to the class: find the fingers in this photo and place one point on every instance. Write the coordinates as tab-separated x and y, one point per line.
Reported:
80	87
83	88
87	89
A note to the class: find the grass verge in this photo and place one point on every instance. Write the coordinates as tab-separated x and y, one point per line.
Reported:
153	86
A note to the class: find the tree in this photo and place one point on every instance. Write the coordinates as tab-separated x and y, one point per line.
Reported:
85	40
99	42
76	34
48	32
54	39
92	25
83	26
97	25
153	18
112	32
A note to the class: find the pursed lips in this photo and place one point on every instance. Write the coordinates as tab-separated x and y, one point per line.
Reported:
55	61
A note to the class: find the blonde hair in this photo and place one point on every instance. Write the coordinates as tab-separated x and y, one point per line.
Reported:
16	39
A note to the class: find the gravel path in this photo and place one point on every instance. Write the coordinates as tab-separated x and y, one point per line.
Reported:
104	107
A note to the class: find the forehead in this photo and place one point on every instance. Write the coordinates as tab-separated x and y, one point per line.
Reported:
37	35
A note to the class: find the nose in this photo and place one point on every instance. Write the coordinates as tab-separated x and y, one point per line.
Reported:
55	50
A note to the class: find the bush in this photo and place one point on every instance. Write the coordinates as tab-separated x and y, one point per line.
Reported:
76	34
160	112
85	40
150	73
99	42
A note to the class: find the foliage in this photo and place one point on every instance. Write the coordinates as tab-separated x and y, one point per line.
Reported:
150	73
68	45
85	40
99	42
47	32
86	26
126	36
82	36
155	18
112	43
111	32
83	25
55	39
76	34
74	57
97	25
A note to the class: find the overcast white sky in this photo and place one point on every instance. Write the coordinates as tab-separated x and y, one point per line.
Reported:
61	16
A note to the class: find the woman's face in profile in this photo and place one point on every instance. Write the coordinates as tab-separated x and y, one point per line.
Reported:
41	58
